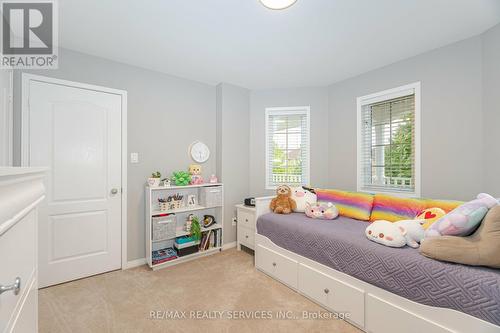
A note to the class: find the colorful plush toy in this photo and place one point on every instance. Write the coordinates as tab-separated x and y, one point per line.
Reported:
195	172
181	178
396	234
464	219
303	195
283	203
324	210
430	215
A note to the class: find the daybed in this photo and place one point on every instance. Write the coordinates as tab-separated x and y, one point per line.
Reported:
380	289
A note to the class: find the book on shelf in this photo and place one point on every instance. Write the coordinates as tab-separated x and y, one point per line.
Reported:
163	255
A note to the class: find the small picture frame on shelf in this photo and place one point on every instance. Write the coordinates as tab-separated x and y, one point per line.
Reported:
192	200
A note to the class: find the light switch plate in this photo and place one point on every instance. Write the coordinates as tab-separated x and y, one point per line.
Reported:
134	158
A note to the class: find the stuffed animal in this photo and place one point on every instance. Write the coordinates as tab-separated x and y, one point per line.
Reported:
283	203
430	215
303	195
180	178
464	219
325	210
396	234
195	172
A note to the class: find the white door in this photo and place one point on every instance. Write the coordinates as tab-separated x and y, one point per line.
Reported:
76	132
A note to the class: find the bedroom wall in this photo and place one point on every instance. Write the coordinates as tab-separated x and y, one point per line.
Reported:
491	107
165	114
233	135
317	99
452	124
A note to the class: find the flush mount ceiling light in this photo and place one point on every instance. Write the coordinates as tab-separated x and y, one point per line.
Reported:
277	4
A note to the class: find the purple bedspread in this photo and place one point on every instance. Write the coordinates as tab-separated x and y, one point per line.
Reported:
341	244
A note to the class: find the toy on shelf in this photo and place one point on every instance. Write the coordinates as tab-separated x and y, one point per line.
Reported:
154	180
213	179
208	220
189	222
195	172
166	182
181	178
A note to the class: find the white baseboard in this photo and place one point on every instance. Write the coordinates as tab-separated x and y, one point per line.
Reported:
228	246
135	263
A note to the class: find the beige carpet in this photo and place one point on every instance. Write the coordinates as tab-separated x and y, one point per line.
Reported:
122	301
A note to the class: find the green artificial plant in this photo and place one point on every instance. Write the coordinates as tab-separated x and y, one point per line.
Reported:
195	228
156	174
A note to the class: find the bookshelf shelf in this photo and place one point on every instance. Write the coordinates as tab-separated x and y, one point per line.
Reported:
180	210
205	205
186	258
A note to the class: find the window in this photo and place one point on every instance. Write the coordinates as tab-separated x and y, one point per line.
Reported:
287	146
388	141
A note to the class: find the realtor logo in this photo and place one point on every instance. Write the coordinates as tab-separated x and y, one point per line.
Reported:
29	34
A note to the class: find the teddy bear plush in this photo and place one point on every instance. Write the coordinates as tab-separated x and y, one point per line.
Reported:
283	203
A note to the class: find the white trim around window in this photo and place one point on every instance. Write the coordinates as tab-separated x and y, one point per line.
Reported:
285	111
413	88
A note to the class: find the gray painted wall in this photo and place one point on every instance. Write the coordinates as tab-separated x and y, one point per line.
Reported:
452	124
317	99
491	108
233	135
165	114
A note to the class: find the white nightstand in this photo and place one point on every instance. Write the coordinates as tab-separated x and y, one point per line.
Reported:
246	226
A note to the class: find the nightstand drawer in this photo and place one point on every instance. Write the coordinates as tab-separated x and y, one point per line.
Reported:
246	236
246	219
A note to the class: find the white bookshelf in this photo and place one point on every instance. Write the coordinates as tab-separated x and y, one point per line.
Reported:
152	209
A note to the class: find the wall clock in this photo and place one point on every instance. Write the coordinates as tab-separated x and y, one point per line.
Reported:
199	152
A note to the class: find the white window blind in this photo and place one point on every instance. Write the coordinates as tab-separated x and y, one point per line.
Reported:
287	146
388	151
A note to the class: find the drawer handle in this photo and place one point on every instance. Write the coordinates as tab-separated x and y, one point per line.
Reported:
15	287
274	264
246	220
326	290
246	236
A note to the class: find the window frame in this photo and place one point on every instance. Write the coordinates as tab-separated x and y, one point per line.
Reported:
288	110
412	88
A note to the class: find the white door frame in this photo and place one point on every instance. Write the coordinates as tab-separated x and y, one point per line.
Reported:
25	136
8	127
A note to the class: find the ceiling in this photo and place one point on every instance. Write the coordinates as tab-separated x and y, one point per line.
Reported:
312	43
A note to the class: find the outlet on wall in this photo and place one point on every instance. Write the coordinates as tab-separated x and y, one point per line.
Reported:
134	158
234	221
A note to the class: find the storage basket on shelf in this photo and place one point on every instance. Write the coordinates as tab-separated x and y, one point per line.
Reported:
163	227
211	196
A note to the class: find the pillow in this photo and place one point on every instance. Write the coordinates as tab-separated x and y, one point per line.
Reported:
480	249
446	205
430	215
355	205
392	208
321	210
302	196
464	219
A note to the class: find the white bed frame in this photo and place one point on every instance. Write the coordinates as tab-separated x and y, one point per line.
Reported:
368	307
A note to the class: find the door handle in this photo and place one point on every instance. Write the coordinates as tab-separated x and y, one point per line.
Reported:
15	287
114	191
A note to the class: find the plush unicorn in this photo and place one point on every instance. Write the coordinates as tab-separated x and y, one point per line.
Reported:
325	211
303	195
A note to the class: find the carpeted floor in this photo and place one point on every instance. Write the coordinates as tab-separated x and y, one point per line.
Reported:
126	301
